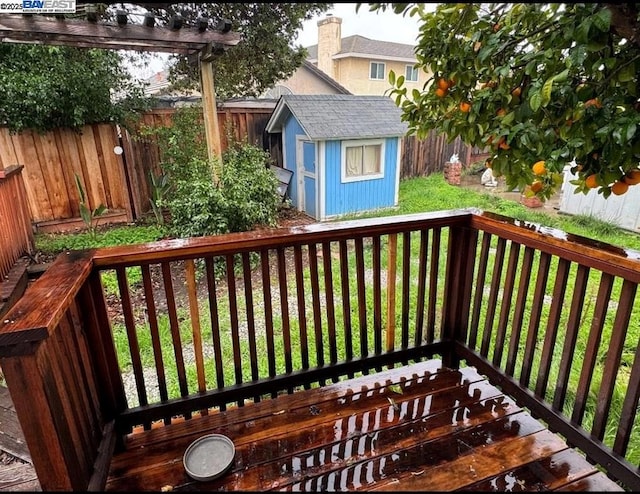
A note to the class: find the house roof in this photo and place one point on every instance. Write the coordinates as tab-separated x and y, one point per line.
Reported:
360	46
339	116
160	81
325	77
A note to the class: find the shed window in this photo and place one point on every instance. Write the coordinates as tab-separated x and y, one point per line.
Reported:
362	160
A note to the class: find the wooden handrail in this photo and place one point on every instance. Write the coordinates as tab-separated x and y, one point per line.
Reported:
44	304
594	254
168	250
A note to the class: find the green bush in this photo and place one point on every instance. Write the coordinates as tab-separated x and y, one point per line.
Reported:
249	187
244	197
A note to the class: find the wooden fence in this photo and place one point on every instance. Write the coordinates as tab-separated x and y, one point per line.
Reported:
421	157
52	159
121	181
16	234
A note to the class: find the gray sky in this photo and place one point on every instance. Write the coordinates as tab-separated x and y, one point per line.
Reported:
383	26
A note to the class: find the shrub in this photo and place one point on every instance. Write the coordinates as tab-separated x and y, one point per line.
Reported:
249	188
245	196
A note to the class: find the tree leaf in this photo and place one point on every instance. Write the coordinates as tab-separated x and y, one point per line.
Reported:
535	100
602	19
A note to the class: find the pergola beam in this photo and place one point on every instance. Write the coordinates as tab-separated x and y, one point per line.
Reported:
71	32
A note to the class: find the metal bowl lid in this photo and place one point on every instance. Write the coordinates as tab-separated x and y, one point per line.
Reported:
208	457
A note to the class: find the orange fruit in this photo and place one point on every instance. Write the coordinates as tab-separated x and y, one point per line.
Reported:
591	181
501	112
517	91
632	177
538	168
536	186
593	102
465	107
496	27
441	93
619	187
443	84
504	145
451	82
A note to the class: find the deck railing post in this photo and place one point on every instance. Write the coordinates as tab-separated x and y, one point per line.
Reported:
461	254
53	373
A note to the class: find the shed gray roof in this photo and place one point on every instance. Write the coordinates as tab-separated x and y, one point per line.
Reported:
339	116
374	48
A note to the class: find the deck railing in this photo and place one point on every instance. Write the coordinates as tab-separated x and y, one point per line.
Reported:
16	234
135	337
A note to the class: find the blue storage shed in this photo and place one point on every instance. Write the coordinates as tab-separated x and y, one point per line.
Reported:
343	151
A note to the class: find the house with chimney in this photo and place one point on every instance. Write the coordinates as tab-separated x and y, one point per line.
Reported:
361	64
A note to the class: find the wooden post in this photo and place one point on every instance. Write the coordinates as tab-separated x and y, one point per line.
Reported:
391	291
207	89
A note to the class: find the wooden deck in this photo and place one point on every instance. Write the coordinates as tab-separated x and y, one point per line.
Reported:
415	428
19	475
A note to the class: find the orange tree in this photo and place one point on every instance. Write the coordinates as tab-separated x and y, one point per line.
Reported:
551	83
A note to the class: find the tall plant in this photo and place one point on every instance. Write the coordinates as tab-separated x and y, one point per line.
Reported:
89	216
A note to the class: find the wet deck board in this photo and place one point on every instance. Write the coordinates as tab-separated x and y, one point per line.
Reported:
17	476
415	428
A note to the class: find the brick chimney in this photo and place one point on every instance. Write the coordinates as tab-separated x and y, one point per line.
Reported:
329	43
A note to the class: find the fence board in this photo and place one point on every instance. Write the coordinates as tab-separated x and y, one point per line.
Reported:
121	182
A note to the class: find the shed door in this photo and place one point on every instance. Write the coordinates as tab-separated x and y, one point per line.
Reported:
307	196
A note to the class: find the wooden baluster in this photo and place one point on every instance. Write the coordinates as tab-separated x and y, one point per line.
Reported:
593	344
478	300
433	285
406	280
422	282
268	313
330	308
534	318
155	335
251	321
377	298
302	315
346	301
132	336
362	299
494	292
215	323
571	336
175	330
614	352
557	303
233	316
505	306
518	312
284	302
194	312
391	290
315	301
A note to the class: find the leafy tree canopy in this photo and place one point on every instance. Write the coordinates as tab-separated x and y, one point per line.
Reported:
46	87
540	85
266	54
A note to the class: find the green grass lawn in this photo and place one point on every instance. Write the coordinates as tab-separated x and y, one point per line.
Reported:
423	194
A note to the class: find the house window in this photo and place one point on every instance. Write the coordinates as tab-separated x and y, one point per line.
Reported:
411	74
377	70
362	160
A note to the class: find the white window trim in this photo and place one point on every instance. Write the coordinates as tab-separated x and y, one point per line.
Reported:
343	160
384	69
413	69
